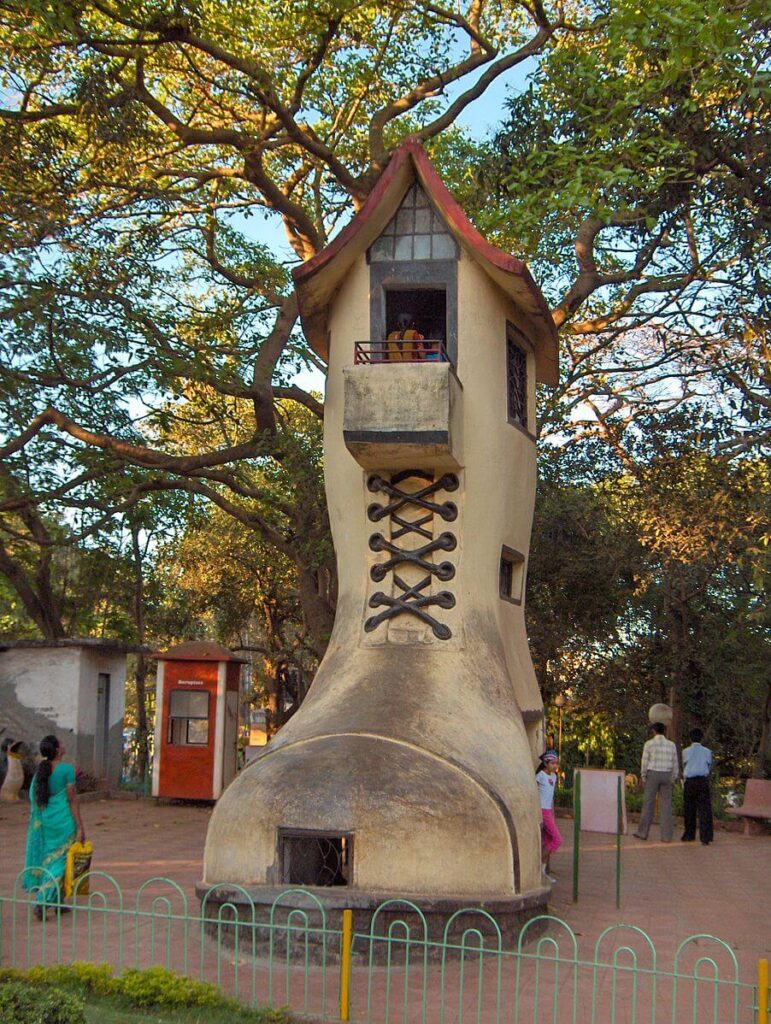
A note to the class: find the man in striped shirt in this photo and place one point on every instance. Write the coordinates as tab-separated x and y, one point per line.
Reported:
659	771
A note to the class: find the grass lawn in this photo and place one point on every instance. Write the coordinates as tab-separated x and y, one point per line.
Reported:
112	1011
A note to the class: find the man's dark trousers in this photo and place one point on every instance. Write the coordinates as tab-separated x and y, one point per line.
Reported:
697	803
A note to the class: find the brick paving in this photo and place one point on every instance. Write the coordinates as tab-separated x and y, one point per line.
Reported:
670	891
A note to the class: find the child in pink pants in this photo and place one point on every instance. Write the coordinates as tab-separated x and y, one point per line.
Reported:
546	777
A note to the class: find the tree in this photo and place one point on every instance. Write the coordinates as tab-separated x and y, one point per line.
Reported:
141	137
148	343
585	564
648	581
220	581
634	173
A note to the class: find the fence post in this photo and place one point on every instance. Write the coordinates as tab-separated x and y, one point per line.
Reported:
576	829
346	938
619	826
762	991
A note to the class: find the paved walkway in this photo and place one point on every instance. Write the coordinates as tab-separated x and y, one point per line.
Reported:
670	891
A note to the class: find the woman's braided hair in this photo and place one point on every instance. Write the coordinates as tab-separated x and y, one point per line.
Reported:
49	748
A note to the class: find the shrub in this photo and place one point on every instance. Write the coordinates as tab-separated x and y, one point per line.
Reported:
17	1003
154	988
563	797
96	978
159	987
24	1004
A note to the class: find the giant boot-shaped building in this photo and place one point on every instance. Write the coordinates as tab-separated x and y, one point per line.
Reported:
409	768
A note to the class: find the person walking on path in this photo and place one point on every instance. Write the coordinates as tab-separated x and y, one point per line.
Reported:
53	825
658	771
551	840
697	800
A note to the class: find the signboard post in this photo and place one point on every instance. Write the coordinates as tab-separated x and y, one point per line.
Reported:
599	805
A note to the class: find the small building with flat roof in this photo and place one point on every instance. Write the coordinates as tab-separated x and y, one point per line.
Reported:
73	688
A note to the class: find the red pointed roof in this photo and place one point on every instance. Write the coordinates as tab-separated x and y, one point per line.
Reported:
198	650
317	280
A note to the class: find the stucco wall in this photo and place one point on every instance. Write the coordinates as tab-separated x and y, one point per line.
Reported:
53	690
500	468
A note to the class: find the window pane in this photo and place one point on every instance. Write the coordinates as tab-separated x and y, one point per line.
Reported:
507	572
443	247
511	575
405	223
187	704
422	247
198	730
382	248
423	221
177	729
178	703
403	248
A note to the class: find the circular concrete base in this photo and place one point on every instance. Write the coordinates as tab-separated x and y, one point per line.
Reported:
311	920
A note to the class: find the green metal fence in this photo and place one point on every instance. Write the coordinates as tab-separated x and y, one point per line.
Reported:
290	955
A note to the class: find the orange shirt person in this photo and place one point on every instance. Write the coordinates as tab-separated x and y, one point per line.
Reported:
401	347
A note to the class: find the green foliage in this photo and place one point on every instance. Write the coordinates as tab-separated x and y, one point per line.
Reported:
136	297
156	989
647	582
95	978
157	986
633	173
22	1004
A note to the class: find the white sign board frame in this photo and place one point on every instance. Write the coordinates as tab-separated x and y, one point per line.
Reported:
599	799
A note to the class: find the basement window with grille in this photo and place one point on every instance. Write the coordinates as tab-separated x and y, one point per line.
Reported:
315	858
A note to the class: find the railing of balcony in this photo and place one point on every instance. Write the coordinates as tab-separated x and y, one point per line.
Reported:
422	350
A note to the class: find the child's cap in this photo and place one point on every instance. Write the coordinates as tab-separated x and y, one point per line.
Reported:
550	755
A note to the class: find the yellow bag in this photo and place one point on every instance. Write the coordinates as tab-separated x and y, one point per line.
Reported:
78	864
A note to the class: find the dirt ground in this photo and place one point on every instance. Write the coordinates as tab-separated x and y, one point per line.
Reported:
670	890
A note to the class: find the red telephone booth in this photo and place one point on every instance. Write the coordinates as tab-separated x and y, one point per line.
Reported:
196	720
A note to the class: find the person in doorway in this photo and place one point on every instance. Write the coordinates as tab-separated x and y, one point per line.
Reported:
551	840
697	800
54	823
402	345
659	771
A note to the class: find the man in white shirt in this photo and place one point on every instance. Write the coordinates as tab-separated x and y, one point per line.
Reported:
659	771
697	801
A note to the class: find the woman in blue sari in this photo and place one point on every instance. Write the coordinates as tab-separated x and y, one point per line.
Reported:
54	822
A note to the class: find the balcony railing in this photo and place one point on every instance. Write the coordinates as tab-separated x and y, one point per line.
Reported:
424	350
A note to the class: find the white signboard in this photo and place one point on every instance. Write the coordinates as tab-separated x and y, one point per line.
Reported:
599	799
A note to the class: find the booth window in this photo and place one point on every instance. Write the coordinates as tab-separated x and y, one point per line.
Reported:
188	718
511	575
315	858
516	380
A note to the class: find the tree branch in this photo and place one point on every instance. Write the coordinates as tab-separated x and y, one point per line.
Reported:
302	397
137	455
